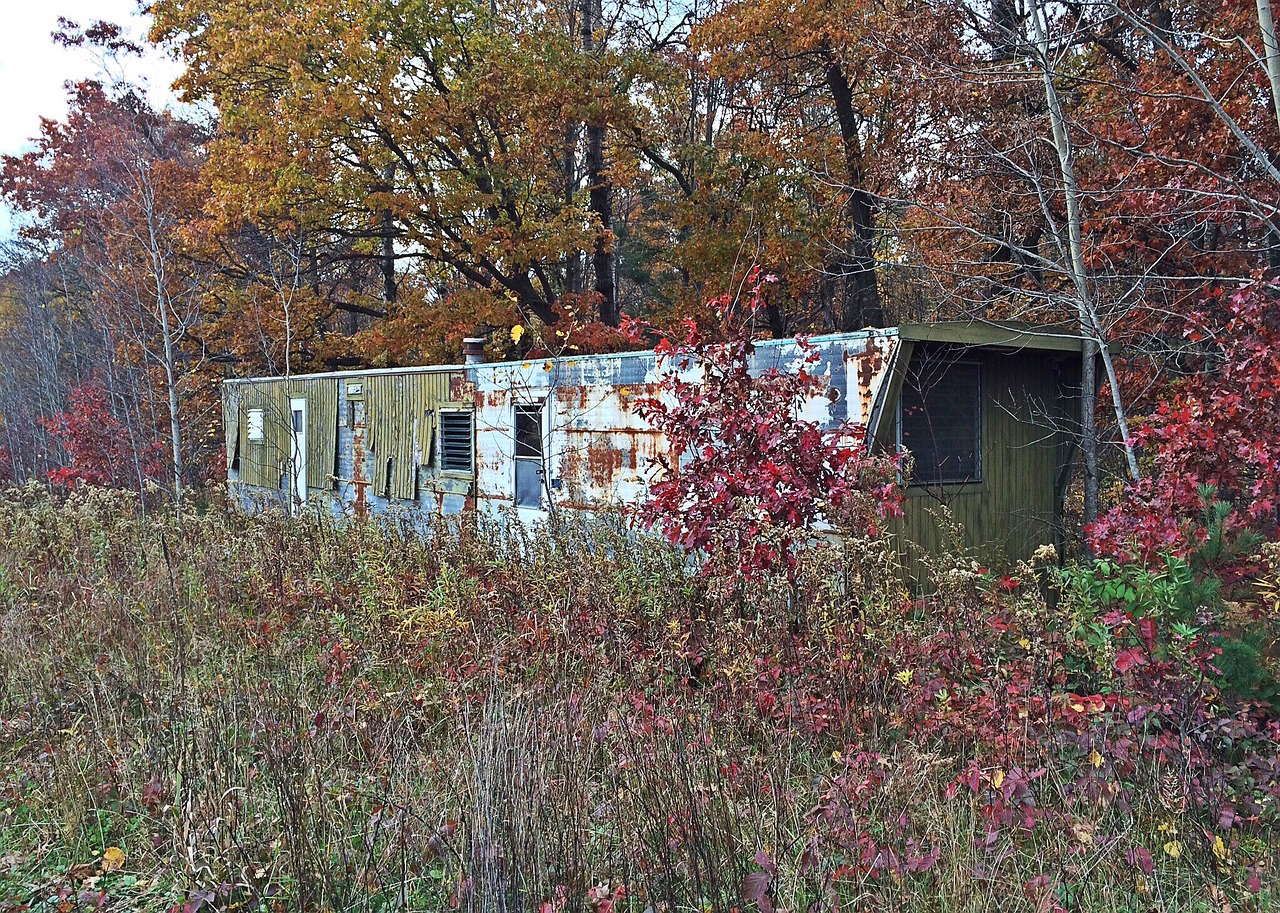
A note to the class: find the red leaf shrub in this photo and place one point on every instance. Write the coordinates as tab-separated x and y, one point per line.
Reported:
750	481
1220	428
100	449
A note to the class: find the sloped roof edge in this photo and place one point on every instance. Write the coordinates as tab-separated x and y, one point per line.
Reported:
987	334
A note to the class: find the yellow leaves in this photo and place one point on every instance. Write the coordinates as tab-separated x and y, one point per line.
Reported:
997	778
1219	848
112	859
1084	832
517	332
904	676
1173	846
1024	643
1095	759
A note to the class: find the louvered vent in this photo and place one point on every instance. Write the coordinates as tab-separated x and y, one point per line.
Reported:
455	441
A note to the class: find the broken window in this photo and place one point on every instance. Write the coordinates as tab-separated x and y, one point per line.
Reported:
355	414
255	424
940	420
455	441
529	436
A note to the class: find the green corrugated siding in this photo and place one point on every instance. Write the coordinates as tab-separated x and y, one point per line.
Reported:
262	463
322	429
401	413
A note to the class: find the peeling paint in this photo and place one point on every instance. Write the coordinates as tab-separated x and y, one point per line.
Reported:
597	448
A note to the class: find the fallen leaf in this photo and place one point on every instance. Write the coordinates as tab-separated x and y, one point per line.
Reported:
112	858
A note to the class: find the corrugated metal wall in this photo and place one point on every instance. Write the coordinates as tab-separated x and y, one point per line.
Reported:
401	412
321	395
262	463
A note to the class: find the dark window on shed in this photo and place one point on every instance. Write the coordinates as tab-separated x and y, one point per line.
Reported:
455	441
940	421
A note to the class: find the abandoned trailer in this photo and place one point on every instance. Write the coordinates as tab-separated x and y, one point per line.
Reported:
986	411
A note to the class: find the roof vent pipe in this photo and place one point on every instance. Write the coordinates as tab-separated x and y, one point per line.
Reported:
473	350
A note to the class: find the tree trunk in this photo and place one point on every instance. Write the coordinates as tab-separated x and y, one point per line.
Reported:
1089	426
859	296
573	261
171	389
1090	329
601	202
1271	53
388	243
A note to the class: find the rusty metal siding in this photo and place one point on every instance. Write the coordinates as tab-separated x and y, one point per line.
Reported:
598	450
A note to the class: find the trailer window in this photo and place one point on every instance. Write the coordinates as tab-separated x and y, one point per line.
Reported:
255	424
529	470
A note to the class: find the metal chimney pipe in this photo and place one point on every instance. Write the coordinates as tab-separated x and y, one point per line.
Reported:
473	350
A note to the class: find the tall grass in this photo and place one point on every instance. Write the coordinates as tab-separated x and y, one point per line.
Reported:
204	711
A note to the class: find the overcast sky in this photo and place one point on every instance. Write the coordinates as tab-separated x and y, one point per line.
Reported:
34	71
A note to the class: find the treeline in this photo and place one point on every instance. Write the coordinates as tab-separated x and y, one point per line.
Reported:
379	179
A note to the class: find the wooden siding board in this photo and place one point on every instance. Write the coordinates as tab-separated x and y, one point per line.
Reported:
1013	509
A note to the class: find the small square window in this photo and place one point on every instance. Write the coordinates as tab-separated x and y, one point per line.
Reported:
455	441
255	424
940	421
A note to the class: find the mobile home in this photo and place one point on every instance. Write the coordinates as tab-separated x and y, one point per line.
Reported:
986	411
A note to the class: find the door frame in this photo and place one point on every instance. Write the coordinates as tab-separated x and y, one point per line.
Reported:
298	449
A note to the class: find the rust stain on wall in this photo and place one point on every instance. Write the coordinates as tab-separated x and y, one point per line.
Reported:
603	460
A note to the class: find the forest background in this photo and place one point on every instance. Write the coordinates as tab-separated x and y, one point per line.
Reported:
367	183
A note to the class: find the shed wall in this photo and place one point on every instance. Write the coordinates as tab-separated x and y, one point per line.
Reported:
1025	404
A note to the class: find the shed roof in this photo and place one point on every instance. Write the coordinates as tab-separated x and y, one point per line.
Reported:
996	334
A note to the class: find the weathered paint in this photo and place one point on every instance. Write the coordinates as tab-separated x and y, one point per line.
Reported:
598	450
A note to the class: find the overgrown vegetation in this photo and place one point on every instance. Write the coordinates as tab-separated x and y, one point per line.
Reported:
207	712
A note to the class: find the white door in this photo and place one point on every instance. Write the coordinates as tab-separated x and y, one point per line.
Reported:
298	460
